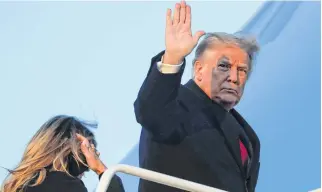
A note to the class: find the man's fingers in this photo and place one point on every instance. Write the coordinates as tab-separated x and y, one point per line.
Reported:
176	16
182	12
188	16
169	19
197	36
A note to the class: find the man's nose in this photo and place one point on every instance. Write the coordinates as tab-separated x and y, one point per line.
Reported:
233	76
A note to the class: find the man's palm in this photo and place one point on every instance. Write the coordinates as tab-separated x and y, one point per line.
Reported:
179	39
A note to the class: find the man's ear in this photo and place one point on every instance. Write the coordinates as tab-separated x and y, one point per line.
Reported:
198	71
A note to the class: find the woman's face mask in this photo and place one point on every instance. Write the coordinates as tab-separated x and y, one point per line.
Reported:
75	169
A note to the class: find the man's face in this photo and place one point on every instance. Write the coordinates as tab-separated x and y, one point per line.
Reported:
222	73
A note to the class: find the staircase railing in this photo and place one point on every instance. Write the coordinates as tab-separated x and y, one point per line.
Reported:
157	178
152	176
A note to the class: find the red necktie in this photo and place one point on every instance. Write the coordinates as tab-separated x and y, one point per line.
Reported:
243	152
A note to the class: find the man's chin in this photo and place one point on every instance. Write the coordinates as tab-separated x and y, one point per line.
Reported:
227	101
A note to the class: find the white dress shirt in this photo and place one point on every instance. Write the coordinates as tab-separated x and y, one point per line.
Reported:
168	68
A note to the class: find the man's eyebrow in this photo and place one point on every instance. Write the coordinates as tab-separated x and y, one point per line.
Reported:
224	59
243	65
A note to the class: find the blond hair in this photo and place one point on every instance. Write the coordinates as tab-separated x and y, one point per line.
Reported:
49	150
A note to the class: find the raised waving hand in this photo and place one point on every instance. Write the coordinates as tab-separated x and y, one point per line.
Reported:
178	36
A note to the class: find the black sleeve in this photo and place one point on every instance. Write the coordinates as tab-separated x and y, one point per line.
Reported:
74	187
156	107
116	184
59	181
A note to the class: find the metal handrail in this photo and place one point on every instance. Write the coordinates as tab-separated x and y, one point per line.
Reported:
152	176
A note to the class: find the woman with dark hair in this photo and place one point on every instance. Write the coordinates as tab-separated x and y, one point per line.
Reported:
56	158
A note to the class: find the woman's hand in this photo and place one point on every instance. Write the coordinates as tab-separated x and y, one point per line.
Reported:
91	155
